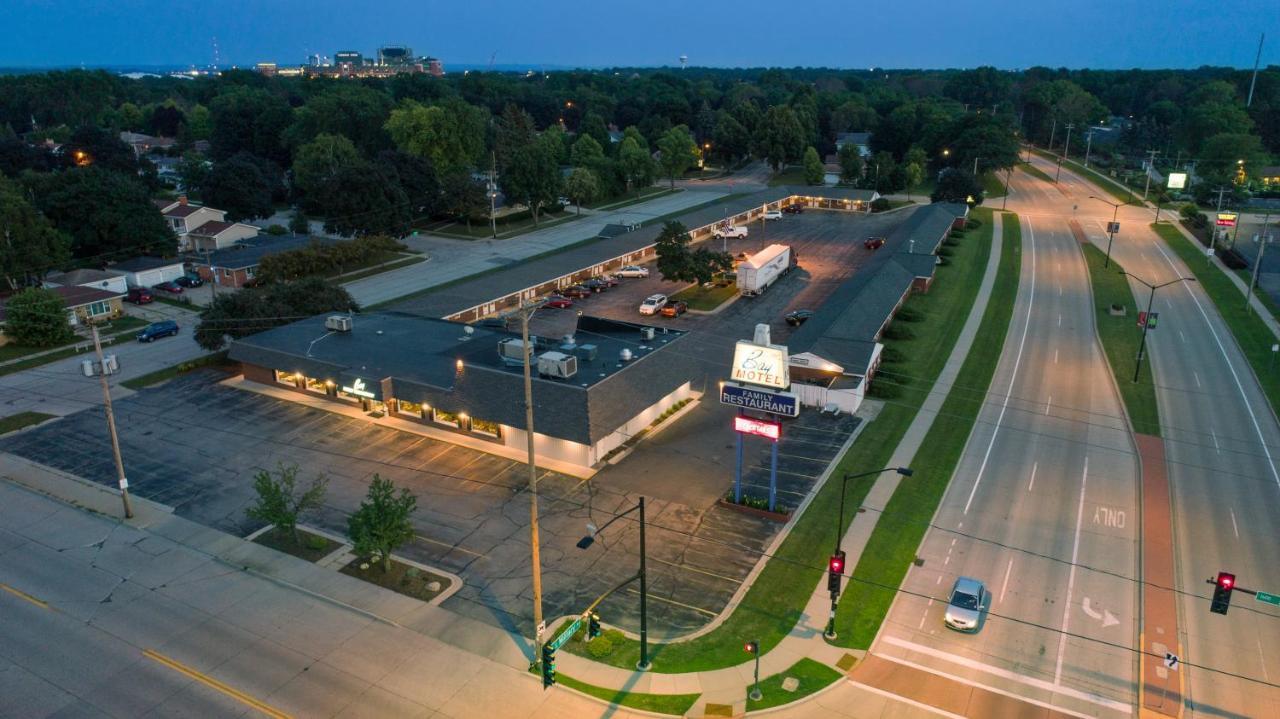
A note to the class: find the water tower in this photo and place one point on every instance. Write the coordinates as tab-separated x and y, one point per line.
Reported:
684	60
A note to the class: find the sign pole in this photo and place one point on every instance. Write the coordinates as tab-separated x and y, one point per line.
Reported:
737	471
773	477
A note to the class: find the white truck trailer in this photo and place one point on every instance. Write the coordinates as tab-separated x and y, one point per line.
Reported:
762	269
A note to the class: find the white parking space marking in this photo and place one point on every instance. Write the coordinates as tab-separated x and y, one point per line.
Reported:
1005	585
1184	337
1214	435
1032	483
1196	375
1047	404
1071	576
1234	528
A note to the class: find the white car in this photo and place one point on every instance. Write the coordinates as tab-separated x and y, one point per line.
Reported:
653	304
964	610
773	215
730	232
632	271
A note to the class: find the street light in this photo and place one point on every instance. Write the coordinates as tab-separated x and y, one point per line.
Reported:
1142	345
589	539
830	632
1111	235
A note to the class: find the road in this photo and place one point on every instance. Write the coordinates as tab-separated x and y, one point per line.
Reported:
1042	507
1221	440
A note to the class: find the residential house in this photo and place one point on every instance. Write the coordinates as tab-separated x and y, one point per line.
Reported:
84	304
184	216
1270	176
148	271
145	144
861	140
95	279
218	235
237	265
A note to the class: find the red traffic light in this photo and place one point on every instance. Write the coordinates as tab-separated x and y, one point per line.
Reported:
836	564
1226	580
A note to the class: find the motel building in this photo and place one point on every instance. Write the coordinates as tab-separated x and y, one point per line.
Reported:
592	391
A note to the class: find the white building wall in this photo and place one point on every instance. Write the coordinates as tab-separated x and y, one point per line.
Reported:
640	422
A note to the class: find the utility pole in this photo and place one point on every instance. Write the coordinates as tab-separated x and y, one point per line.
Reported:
493	196
111	425
1052	131
1066	148
1254	81
1088	148
526	312
1151	165
1264	240
213	276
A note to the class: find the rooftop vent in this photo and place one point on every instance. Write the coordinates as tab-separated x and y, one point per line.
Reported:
338	323
625	355
647	333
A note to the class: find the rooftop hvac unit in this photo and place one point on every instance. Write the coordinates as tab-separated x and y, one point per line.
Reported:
338	323
646	332
557	364
585	352
511	350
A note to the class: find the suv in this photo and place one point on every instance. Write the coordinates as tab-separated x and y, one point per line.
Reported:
156	330
595	284
732	232
773	215
964	610
793	209
139	296
653	304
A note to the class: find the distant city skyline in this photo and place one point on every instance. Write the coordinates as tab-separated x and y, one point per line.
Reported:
1117	34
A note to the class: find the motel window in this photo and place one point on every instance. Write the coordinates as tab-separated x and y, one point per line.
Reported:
99	308
287	378
317	385
485	427
248	271
449	419
413	409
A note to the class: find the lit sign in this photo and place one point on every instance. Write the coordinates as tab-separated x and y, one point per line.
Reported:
1177	180
758	427
1226	219
357	389
783	403
764	365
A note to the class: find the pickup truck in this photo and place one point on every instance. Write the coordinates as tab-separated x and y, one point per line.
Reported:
732	232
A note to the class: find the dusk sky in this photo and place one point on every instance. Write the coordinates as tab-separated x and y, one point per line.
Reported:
577	33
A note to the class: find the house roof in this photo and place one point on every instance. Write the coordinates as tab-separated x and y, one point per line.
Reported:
181	210
249	252
142	264
72	297
213	228
79	277
1269	171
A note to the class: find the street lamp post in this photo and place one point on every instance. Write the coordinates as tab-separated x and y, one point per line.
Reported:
1111	235
1065	150
1146	323
643	664
1008	174
830	632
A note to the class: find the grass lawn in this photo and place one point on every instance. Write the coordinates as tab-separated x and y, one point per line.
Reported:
992	185
312	548
403	578
645	194
168	373
673	704
892	546
184	303
118	326
15	422
812	675
1251	333
1120	337
378	259
705	298
788	176
773	604
506	230
408	260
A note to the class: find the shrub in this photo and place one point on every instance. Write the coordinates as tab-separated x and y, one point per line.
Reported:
946	251
898	332
907	314
883	390
879	204
615	636
892	354
972	224
276	230
600	647
943	261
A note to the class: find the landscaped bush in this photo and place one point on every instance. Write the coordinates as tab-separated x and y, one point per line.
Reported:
972	224
319	259
1232	259
600	647
893	354
276	230
898	332
879	204
946	251
906	314
883	390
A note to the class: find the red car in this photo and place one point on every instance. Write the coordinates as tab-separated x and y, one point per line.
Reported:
559	303
674	309
576	292
172	288
873	243
139	296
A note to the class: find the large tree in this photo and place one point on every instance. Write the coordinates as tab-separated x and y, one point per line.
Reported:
355	112
366	199
814	172
533	177
238	186
730	140
450	134
850	164
462	198
92	145
678	152
586	152
317	163
581	186
29	246
36	317
415	175
256	309
635	163
246	119
955	185
108	215
513	131
677	262
780	138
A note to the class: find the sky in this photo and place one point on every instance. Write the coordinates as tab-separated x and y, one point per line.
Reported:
607	33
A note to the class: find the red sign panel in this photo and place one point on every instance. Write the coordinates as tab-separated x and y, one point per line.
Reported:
758	427
1226	219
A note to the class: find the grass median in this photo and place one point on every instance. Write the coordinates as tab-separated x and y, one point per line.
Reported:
672	704
1251	333
1036	172
1120	338
811	676
706	299
776	599
890	550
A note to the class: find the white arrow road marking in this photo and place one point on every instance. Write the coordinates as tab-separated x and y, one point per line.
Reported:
1108	619
1105	616
1087	610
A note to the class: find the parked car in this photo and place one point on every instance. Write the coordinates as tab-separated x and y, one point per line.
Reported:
674	309
156	330
139	296
964	610
596	284
557	302
773	215
793	209
172	288
798	317
608	280
730	232
190	280
653	304
632	271
576	292
873	243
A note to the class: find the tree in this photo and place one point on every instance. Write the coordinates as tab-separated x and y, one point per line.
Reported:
814	172
165	120
317	163
238	186
247	119
983	87
779	139
450	134
678	152
381	524
36	317
850	164
955	185
462	197
730	139
533	177
362	199
677	263
983	137
198	125
635	162
193	172
256	309
593	126
92	145
107	215
914	175
586	152
282	501
415	175
582	186
513	131
349	110
129	117
1222	154
30	246
298	222
886	172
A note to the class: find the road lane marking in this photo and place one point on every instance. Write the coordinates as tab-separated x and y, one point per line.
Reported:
1239	386
1005	586
922	618
215	684
1071	576
1055	356
1032	483
1122	707
1196	375
24	596
1234	528
1059	319
1214	435
1184	337
1047	404
1026	327
1262	658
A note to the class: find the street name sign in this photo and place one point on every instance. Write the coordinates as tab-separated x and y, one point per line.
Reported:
565	635
783	403
1268	598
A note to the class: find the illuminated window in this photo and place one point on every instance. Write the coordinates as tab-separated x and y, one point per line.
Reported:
288	378
413	409
317	385
485	427
450	419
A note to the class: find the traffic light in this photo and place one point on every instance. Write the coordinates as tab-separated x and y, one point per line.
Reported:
1222	593
593	625
548	666
835	568
752	647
